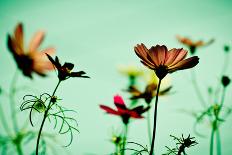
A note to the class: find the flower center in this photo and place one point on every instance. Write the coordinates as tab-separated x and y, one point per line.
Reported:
161	72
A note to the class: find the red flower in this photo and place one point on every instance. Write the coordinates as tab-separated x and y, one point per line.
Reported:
29	60
123	111
164	61
65	71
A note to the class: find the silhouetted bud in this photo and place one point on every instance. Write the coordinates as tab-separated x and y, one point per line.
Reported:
226	48
225	81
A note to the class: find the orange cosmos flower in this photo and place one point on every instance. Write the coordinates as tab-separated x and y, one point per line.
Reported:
29	59
164	61
191	44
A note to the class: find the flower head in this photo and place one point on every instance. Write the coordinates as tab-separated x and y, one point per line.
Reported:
130	70
123	111
191	44
148	94
65	71
225	81
29	60
164	61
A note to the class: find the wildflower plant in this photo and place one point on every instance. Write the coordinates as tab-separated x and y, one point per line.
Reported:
49	106
163	61
125	113
28	60
181	144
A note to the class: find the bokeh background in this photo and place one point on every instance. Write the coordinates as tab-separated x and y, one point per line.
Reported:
97	36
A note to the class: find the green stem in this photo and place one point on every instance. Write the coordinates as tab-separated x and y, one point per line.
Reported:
155	119
218	140
19	148
124	139
149	126
4	122
12	102
44	118
212	141
197	89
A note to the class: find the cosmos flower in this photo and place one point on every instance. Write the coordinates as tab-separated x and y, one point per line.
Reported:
164	61
191	44
29	59
130	70
65	71
148	94
123	111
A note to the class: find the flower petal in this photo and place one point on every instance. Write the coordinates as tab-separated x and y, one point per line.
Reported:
36	41
158	54
109	110
180	56
185	64
18	34
143	53
119	103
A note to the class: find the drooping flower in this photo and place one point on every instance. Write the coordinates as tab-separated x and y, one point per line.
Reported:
123	111
29	59
148	94
192	45
164	61
65	71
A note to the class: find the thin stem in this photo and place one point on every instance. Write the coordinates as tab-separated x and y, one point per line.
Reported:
223	71
124	139
12	102
44	118
4	122
223	97
155	119
19	148
197	89
218	140
149	126
212	141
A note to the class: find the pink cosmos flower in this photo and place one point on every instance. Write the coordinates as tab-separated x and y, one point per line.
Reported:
29	59
123	111
164	61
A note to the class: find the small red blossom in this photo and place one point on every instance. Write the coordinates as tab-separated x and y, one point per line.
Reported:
164	61
123	111
29	59
65	71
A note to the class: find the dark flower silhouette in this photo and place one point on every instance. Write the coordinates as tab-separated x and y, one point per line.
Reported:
181	144
29	60
225	81
148	94
123	111
164	61
65	71
193	45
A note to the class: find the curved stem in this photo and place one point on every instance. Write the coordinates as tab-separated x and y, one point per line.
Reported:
44	118
218	140
12	102
155	119
197	89
149	126
211	141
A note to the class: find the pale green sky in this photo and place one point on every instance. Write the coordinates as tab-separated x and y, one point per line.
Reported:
99	35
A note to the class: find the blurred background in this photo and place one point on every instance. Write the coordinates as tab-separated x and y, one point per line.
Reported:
98	36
